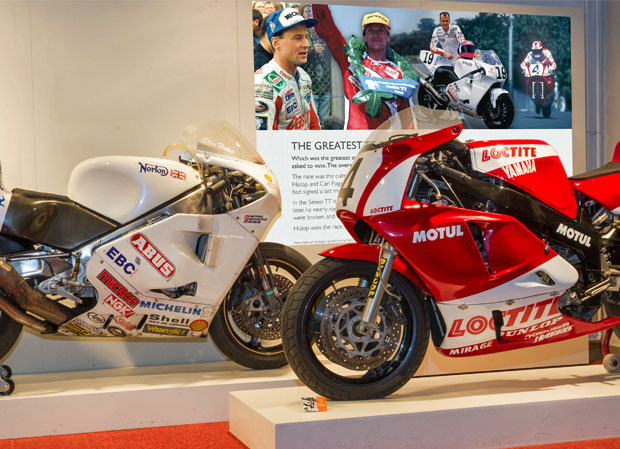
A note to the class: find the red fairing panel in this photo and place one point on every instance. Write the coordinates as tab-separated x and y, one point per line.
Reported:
437	243
603	189
532	165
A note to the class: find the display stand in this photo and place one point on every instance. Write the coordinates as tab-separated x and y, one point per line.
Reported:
127	398
477	411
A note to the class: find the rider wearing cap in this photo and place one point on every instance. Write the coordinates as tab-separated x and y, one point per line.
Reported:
538	54
375	59
282	89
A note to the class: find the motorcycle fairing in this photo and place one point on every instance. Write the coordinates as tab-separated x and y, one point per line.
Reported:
52	220
601	185
527	164
485	250
124	187
127	276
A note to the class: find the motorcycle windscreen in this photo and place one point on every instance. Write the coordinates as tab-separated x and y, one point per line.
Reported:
532	165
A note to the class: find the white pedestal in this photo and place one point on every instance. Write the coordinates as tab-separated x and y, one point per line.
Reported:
127	398
477	411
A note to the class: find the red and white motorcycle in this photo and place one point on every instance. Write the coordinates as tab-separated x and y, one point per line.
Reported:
540	84
148	247
486	245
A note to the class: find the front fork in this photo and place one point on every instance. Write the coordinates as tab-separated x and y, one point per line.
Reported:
368	320
266	278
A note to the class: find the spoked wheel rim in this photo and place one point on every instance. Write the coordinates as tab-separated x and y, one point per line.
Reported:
253	320
339	350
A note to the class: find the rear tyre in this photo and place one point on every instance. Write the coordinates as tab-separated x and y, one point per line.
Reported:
9	329
321	338
247	328
500	116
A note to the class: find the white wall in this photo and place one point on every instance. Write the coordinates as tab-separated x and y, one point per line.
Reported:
87	78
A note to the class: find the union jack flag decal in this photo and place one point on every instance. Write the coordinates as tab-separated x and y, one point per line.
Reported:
177	174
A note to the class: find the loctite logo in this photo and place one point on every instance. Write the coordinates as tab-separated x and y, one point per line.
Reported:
153	255
571	234
381	210
513	317
496	153
444	232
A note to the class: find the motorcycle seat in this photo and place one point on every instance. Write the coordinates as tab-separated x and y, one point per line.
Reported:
609	168
444	75
52	220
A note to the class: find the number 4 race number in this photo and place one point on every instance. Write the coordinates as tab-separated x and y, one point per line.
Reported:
346	191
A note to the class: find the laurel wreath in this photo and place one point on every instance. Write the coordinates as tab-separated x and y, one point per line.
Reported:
355	48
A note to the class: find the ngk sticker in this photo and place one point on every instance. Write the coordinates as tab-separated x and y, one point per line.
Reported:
153	255
432	234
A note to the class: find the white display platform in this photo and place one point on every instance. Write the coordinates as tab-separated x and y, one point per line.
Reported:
127	398
477	411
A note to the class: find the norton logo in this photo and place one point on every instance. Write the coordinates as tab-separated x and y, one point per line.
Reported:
153	255
496	153
380	210
571	234
433	234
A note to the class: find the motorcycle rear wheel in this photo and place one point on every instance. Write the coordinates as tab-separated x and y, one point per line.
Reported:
250	334
325	349
500	116
10	330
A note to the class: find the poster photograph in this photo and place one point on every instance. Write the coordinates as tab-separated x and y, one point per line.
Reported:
317	100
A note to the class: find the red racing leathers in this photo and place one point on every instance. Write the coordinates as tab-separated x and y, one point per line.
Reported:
355	115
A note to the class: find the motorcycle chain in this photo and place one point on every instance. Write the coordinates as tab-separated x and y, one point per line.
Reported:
339	339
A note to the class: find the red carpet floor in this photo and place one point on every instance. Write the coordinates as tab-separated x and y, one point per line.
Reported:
204	436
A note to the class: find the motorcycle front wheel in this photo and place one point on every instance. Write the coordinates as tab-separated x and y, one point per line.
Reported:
322	341
546	110
500	116
247	327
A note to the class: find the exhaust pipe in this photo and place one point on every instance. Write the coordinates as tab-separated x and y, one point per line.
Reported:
21	317
29	299
429	87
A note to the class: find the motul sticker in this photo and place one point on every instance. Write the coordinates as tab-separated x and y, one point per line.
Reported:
153	255
444	232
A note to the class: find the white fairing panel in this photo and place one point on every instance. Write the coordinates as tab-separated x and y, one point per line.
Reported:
124	187
132	272
387	196
525	302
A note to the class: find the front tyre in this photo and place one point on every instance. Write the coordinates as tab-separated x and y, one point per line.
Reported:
247	327
321	338
500	116
546	110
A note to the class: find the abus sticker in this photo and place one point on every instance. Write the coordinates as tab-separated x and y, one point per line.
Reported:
444	232
153	255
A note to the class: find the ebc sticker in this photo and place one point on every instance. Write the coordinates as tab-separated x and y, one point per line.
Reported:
119	259
153	255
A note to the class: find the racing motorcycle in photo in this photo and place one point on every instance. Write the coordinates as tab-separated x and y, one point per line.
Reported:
540	85
472	86
483	246
152	247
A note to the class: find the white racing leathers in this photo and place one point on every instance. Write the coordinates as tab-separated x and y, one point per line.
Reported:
282	100
449	41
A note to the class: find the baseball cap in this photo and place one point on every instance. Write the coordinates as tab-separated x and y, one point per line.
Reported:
285	18
376	17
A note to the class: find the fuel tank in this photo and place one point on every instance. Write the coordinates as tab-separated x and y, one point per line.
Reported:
124	187
531	165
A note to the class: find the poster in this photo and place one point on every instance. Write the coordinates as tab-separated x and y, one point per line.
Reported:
527	57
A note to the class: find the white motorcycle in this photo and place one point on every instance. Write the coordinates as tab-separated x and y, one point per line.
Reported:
473	86
149	247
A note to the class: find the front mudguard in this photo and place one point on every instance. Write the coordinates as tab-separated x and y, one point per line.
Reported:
370	253
494	95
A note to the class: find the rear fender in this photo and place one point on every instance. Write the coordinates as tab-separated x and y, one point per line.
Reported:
370	253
